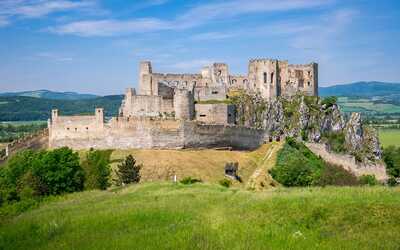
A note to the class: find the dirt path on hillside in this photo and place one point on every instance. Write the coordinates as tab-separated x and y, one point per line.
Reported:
261	179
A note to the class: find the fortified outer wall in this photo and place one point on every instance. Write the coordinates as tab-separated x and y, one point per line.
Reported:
146	133
349	163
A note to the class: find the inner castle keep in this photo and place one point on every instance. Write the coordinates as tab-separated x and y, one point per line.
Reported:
184	110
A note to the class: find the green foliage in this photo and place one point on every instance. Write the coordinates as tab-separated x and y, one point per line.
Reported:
391	157
297	165
333	175
225	183
369	180
329	101
24	108
128	171
169	216
189	180
97	169
30	174
10	132
336	141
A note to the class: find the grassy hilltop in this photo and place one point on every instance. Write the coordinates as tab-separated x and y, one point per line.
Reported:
206	216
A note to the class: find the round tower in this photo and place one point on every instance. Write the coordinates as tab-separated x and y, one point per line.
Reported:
183	104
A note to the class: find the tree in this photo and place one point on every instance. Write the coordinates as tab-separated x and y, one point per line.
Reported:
128	171
97	169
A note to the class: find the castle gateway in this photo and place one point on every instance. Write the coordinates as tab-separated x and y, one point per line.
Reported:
184	110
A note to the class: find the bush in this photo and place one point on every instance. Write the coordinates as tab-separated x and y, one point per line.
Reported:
128	171
369	180
336	141
391	157
297	165
392	182
329	101
189	180
334	175
97	169
30	174
225	183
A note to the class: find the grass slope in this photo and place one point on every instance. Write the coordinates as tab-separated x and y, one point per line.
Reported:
207	164
203	216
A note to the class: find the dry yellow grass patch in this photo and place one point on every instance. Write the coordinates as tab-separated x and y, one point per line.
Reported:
206	164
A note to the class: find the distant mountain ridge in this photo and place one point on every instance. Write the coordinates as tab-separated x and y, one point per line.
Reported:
362	89
52	95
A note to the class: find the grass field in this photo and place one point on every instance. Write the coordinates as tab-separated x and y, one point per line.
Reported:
366	106
207	165
389	137
206	216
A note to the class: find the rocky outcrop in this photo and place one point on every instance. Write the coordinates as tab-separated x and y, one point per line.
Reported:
354	132
311	119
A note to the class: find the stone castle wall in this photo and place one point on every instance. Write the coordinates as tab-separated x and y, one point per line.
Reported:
145	133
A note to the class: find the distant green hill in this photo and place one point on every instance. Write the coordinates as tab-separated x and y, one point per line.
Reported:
23	108
361	89
47	94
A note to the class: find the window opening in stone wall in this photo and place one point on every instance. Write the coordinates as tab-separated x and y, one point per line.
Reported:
265	77
309	73
308	83
301	83
202	115
76	129
214	92
87	128
67	128
272	77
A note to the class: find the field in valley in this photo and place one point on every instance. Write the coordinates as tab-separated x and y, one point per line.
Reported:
208	216
389	137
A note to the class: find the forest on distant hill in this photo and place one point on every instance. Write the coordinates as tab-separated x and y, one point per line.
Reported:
23	108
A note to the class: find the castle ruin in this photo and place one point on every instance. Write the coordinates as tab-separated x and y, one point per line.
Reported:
184	110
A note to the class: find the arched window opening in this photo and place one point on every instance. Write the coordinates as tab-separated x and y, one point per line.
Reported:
272	77
265	77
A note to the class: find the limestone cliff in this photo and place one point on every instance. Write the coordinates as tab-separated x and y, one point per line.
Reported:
310	119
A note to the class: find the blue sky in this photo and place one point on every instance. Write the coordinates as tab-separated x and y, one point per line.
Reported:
95	45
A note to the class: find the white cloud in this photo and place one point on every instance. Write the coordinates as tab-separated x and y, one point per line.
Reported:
193	17
110	27
55	57
12	9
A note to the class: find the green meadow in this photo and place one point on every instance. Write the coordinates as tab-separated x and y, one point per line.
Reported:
208	216
389	137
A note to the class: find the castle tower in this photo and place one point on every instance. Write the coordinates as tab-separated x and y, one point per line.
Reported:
183	104
220	74
264	77
145	79
54	115
99	113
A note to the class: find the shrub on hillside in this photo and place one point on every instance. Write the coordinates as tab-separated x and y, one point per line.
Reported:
329	101
97	169
334	175
297	165
336	141
369	180
391	156
128	171
225	183
189	180
29	174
